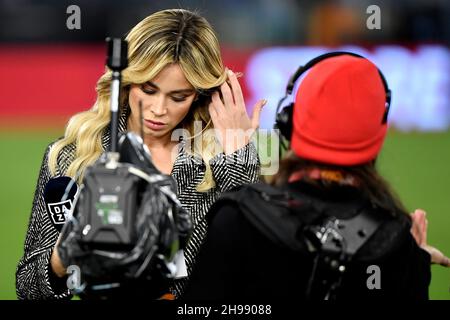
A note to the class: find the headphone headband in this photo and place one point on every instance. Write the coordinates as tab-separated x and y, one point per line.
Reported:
284	118
302	69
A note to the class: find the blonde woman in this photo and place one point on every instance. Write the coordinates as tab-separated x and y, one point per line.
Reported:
176	71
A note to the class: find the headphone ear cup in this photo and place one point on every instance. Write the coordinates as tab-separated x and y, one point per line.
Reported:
284	121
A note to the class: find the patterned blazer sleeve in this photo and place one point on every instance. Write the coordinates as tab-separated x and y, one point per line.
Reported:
34	279
235	169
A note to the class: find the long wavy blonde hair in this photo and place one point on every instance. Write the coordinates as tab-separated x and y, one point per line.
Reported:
165	37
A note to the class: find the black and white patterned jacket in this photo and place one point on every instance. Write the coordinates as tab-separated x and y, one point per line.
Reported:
34	279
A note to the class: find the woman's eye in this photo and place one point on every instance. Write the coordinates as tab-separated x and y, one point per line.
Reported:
179	99
147	90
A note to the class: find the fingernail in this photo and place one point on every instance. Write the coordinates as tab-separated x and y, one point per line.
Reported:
264	102
229	72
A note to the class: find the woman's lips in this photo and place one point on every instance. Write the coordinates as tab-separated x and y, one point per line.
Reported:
154	125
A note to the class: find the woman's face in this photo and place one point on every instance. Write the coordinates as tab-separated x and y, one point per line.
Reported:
166	100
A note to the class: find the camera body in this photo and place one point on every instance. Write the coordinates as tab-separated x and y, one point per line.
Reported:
107	198
127	226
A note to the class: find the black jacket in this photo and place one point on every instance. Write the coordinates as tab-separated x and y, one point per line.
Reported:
238	262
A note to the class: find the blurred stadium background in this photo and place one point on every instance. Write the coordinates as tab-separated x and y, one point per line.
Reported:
48	72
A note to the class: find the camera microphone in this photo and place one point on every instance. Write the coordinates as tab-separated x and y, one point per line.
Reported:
59	194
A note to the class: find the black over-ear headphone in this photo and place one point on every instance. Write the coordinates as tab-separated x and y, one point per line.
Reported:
283	121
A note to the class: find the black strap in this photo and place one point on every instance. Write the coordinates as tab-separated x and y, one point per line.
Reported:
280	216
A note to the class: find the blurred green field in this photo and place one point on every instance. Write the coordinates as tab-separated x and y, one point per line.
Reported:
417	165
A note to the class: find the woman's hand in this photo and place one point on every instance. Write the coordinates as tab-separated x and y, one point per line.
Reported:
419	232
233	125
56	264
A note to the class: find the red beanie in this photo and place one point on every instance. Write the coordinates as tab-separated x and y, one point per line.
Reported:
338	112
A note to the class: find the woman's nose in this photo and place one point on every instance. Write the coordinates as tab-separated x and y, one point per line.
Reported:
157	106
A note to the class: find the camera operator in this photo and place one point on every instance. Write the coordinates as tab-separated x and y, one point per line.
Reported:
329	227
